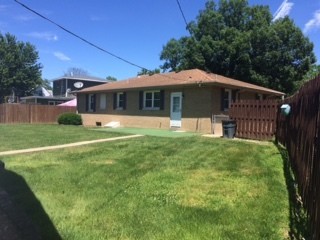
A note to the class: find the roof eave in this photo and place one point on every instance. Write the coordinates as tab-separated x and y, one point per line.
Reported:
198	83
81	79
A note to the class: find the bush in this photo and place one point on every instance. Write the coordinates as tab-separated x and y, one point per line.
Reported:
70	119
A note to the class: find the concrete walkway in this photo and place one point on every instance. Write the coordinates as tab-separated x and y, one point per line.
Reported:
38	149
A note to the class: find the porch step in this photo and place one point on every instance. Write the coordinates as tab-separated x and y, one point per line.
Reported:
112	124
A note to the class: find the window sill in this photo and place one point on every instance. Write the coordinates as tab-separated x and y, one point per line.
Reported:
119	109
151	109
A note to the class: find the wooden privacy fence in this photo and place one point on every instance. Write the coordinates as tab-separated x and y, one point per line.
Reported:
256	119
299	132
27	113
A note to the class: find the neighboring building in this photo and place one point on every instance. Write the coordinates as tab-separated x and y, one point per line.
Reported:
45	100
42	92
43	96
190	100
63	89
63	86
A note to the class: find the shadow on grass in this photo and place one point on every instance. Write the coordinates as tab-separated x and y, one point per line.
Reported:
23	208
299	225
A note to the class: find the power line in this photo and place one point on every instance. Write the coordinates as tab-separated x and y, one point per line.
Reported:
183	16
79	37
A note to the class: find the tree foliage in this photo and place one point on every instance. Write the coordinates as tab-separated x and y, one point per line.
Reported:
19	70
148	72
310	75
110	78
240	41
47	84
76	72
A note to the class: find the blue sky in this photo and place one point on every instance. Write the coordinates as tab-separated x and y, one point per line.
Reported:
134	30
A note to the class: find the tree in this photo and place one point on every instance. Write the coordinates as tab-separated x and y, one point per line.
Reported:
173	55
46	84
148	72
310	75
19	70
110	78
74	71
239	41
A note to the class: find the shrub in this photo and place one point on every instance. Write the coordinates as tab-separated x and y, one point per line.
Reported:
70	119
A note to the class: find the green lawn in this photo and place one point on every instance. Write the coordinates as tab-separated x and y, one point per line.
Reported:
153	188
20	136
148	132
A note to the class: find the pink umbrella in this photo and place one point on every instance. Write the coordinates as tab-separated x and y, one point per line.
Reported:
71	103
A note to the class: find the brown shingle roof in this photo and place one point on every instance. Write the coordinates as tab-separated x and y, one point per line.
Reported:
183	78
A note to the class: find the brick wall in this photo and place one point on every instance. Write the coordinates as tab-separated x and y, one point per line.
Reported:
199	105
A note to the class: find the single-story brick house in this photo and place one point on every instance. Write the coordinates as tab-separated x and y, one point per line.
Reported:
190	100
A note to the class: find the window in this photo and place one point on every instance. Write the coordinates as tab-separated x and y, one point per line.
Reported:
151	100
176	104
226	99
119	101
103	101
91	103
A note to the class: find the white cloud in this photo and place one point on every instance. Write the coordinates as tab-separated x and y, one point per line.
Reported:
313	23
61	56
44	35
283	10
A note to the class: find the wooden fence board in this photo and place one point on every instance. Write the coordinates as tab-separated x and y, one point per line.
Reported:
255	119
299	132
27	113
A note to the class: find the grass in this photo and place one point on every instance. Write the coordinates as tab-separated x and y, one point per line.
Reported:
148	132
153	188
299	221
13	137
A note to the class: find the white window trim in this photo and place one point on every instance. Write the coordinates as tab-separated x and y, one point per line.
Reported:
118	101
144	100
